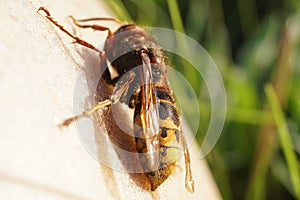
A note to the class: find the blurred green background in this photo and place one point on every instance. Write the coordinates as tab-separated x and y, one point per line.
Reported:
255	44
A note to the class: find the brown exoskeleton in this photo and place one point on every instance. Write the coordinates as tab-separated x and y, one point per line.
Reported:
140	82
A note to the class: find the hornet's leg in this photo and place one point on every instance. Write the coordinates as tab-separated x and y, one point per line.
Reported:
189	182
119	90
86	113
92	26
100	18
77	39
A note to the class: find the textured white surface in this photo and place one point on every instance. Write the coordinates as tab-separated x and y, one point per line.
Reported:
38	71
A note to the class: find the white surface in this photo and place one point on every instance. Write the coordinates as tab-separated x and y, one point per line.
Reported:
38	71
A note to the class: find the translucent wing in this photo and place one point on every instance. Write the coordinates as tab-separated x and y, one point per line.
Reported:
147	118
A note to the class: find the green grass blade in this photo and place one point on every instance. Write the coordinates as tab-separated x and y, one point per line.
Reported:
119	9
175	16
285	139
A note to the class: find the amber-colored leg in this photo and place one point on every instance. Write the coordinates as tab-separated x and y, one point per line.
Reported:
189	181
92	26
86	113
100	19
119	90
77	39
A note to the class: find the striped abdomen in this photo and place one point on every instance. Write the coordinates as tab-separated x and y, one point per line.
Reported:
169	137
